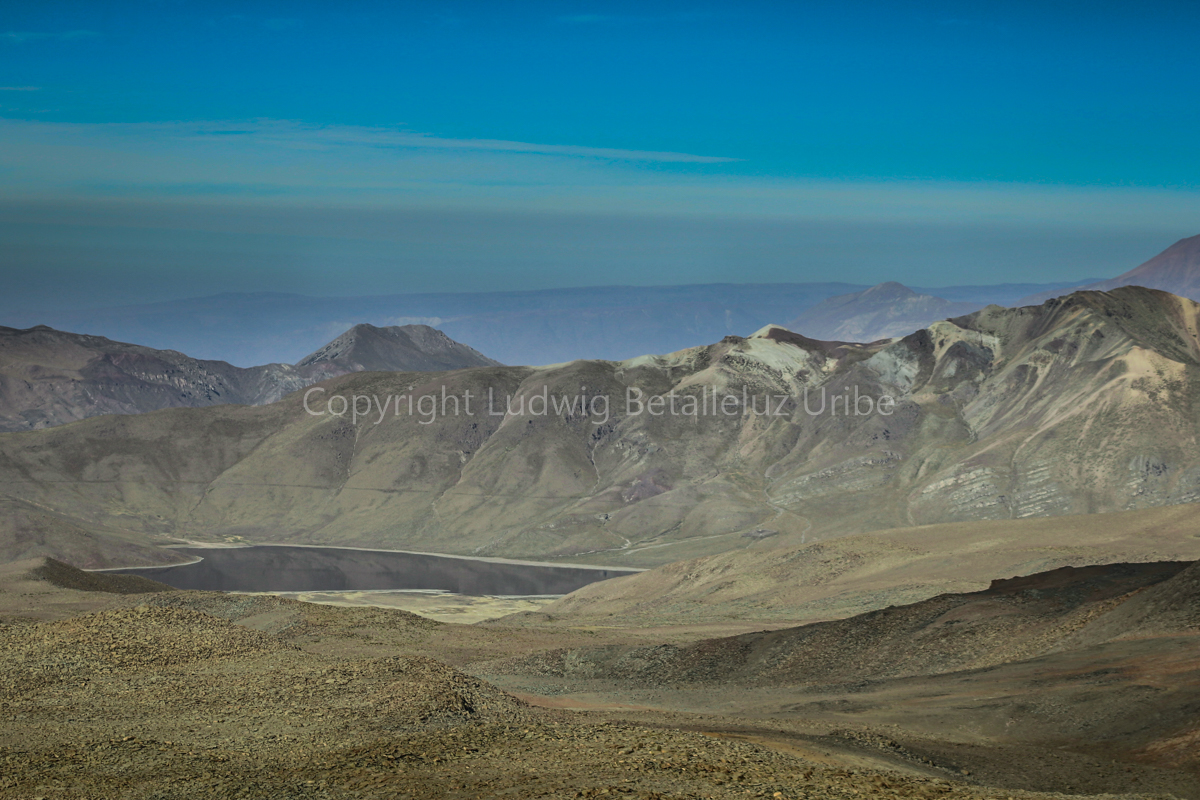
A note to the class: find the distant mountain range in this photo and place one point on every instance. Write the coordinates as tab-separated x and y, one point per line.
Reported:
50	377
535	327
1175	270
891	309
881	312
1085	404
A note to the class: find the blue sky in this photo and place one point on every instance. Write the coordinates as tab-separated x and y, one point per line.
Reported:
128	128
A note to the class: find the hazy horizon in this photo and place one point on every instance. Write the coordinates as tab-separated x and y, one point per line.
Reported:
181	150
96	262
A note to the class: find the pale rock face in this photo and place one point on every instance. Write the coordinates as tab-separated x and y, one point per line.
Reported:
896	366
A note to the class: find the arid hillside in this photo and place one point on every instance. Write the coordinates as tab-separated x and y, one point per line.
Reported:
851	575
1077	406
1066	680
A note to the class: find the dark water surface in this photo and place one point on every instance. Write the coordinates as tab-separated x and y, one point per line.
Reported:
280	568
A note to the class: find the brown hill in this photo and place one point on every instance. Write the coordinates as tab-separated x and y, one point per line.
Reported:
1009	621
1172	607
29	530
1005	683
48	589
851	575
50	377
1083	405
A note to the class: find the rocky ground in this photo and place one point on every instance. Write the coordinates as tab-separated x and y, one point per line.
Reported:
164	694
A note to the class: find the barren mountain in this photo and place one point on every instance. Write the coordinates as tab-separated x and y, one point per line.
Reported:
1175	270
50	377
1077	406
408	348
881	312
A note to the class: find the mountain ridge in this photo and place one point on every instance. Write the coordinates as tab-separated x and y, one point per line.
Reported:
545	326
1077	406
52	377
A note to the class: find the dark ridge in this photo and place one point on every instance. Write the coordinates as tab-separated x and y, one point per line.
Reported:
841	351
65	576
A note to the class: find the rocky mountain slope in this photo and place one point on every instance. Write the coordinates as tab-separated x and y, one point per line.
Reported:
50	377
881	312
1175	270
1081	405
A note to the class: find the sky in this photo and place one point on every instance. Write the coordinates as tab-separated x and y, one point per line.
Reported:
151	150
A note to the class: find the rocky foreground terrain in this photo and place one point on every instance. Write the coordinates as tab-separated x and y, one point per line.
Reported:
112	686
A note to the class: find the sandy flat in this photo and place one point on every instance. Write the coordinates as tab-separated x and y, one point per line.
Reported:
441	606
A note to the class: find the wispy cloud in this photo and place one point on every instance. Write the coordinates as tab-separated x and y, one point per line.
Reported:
308	137
281	163
21	37
384	139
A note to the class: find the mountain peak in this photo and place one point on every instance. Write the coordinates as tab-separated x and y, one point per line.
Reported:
1175	270
888	290
1178	266
51	377
766	330
396	348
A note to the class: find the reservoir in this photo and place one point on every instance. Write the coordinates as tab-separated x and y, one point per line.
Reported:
288	568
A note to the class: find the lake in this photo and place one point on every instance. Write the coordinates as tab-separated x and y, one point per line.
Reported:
287	568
